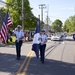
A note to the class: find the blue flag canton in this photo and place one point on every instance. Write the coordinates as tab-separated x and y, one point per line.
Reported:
6	18
37	27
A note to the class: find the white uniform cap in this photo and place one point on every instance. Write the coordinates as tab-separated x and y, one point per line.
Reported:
19	26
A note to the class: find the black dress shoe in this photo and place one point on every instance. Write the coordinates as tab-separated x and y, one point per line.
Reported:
42	62
18	58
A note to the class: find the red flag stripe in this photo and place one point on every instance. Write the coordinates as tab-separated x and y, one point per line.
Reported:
4	32
10	23
7	22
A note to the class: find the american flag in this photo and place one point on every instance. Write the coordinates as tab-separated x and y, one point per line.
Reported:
4	30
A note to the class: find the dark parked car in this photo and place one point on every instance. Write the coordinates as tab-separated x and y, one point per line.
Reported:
74	36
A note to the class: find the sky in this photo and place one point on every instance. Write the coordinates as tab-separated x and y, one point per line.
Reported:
1	4
57	9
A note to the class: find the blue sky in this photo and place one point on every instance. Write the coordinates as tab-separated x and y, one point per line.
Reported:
1	4
58	9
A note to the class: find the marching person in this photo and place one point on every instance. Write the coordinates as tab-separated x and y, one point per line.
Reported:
36	44
19	36
36	40
43	46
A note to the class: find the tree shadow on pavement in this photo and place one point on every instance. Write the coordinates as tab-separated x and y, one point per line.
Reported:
9	63
51	67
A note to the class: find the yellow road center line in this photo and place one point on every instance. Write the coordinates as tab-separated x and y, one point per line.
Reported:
18	72
26	67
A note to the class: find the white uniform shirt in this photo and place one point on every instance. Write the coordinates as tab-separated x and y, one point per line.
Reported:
19	34
36	39
44	38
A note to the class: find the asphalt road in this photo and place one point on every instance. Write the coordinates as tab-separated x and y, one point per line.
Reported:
59	60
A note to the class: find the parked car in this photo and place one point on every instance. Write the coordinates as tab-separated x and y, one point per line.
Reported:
74	36
48	38
55	37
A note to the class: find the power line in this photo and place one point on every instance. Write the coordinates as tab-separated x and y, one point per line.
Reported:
40	1
35	7
58	17
35	11
34	2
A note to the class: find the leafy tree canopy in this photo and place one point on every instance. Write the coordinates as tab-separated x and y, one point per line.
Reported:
15	9
69	25
57	25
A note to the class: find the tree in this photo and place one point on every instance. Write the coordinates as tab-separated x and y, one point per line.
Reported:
69	25
57	25
15	12
2	14
72	22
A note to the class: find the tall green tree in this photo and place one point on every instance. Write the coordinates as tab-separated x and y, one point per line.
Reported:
2	14
69	25
15	12
57	25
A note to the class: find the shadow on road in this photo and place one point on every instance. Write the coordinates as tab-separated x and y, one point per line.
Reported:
70	40
51	67
9	64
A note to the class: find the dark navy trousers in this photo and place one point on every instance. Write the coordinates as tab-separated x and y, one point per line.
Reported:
35	48
42	52
18	48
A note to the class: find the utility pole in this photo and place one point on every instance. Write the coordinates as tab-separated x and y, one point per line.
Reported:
47	22
42	6
47	17
23	14
39	18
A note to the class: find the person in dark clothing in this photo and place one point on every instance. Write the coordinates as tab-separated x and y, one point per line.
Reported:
43	46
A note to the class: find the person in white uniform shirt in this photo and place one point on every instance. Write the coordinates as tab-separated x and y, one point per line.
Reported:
19	36
36	40
43	45
36	44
